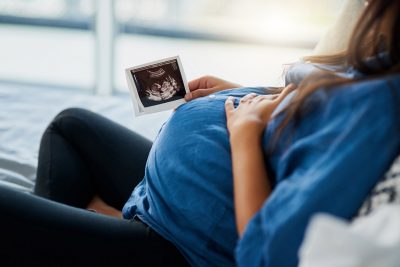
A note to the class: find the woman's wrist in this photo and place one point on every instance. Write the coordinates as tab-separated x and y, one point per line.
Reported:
245	138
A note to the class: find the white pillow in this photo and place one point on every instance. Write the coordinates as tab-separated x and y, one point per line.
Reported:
370	241
337	37
387	190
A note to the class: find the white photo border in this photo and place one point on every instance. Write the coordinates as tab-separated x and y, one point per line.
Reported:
137	103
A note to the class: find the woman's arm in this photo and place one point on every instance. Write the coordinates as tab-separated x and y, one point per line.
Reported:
251	187
207	85
246	124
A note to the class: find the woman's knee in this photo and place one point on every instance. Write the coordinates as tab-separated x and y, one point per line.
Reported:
77	113
69	116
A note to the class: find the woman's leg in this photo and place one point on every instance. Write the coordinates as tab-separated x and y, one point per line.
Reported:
38	232
83	154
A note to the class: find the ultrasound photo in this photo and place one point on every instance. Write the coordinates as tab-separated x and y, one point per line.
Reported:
158	83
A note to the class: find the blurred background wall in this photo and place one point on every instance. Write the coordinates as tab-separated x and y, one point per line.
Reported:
84	45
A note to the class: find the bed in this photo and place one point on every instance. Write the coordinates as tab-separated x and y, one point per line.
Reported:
26	111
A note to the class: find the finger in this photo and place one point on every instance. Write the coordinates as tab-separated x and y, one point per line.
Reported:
188	96
198	93
248	97
195	84
261	98
200	83
288	89
273	97
270	98
229	105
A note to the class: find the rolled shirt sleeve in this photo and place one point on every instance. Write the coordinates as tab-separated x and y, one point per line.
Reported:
336	155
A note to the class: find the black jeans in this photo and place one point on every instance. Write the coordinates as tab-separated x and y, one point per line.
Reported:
81	155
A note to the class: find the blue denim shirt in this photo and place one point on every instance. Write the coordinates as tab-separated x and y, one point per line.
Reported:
328	163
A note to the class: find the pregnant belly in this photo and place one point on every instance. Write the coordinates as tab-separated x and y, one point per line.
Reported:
188	179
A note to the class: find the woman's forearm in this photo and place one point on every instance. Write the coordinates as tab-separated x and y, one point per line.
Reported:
251	186
246	124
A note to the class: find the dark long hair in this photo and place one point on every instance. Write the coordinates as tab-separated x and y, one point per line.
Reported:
377	31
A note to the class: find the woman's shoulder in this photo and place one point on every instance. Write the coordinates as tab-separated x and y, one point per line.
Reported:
373	91
336	108
367	100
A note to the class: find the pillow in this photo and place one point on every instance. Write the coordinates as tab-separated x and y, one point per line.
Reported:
387	190
337	37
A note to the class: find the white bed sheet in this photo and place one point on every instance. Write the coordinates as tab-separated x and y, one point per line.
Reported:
25	112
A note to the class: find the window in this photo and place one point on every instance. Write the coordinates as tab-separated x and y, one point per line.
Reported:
86	44
47	43
294	22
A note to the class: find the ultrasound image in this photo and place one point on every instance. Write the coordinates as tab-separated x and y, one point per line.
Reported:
159	83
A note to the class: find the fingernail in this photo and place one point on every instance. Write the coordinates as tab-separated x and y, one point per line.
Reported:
188	96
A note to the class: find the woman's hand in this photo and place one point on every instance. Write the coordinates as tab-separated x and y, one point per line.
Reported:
253	113
207	85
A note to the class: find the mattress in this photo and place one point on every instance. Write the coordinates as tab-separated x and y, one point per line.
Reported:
26	111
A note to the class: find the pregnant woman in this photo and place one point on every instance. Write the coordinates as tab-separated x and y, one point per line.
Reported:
234	175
